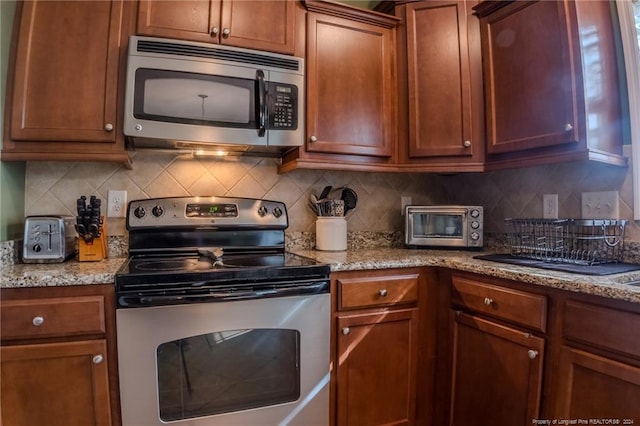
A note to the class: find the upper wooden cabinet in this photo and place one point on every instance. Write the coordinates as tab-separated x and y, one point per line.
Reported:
351	95
551	82
64	90
443	90
262	25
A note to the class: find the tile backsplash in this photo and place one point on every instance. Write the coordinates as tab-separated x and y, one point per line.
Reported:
53	187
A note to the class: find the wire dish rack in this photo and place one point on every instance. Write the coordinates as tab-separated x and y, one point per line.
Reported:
576	241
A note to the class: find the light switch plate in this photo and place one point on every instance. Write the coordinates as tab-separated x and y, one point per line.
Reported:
600	205
550	206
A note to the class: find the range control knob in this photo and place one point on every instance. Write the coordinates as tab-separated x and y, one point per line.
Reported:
262	211
475	213
475	236
277	212
157	211
475	224
37	248
139	212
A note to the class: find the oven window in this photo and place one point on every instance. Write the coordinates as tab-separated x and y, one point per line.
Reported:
429	225
190	98
227	371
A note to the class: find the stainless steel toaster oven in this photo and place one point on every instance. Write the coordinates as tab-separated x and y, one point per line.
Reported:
444	226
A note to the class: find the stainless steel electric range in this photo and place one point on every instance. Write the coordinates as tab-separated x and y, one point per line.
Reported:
217	323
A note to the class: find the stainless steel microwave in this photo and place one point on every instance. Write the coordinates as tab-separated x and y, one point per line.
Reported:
444	226
183	94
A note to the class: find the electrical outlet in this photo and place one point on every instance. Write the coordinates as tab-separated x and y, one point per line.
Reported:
600	205
405	200
117	204
550	206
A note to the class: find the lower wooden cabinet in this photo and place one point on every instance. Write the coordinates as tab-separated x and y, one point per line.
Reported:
57	356
380	346
497	373
55	384
596	387
376	378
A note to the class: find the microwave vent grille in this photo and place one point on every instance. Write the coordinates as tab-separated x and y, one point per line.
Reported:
212	52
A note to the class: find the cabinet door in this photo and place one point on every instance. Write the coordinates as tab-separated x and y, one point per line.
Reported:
377	361
531	77
55	384
66	71
193	20
497	373
259	24
595	387
262	25
349	87
440	110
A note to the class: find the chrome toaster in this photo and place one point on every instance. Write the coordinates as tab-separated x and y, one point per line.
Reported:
48	239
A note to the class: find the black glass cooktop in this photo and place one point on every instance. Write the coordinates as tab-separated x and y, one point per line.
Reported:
599	269
173	268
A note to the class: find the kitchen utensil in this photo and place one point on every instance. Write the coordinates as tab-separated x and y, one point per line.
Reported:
350	198
325	192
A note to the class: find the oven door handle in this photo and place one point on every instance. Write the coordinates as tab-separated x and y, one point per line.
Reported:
316	287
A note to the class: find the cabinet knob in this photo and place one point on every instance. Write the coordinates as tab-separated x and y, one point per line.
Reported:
37	321
108	127
467	144
382	292
346	331
568	127
532	354
214	31
226	32
488	301
97	359
313	139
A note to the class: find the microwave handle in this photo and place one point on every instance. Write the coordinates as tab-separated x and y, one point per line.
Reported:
262	103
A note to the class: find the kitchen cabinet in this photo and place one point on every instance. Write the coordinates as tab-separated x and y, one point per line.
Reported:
351	90
57	356
497	353
379	371
599	366
261	25
64	91
552	91
441	112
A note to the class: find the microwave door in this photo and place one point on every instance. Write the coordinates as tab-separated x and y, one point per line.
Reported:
182	105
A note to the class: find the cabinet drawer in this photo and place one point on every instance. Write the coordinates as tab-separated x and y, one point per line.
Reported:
603	327
527	309
377	291
52	317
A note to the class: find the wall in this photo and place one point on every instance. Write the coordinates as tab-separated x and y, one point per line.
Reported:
12	175
54	187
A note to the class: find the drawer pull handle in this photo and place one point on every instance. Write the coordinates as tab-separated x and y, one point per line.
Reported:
97	359
488	301
383	292
532	354
37	321
346	331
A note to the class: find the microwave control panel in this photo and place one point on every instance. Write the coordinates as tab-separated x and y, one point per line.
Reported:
283	106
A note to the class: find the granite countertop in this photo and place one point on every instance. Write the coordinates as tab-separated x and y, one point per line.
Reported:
73	272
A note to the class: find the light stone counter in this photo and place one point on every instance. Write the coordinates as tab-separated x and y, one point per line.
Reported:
611	286
73	272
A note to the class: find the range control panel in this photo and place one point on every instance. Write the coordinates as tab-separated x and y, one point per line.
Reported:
219	212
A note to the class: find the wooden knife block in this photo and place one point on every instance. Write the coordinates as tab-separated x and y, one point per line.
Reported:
95	250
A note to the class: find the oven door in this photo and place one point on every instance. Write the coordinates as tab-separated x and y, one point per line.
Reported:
252	362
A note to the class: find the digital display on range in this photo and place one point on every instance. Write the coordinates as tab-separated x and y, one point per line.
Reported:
212	210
